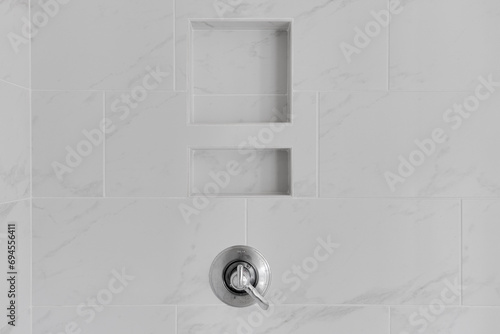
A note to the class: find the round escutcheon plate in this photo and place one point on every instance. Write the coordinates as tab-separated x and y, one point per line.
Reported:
224	266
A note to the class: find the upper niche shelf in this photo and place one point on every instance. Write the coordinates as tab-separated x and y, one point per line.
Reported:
240	71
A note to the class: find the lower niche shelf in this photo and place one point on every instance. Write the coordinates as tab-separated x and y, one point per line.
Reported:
240	172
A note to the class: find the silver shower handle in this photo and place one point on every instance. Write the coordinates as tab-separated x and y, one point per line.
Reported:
252	292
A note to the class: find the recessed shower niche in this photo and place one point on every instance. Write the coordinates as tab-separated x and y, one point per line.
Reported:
240	71
244	172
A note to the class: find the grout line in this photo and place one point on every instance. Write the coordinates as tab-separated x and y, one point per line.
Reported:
176	319
389	50
246	221
174	41
294	91
460	253
190	71
128	305
30	104
283	305
238	30
317	144
389	308
241	19
30	208
104	145
262	197
109	90
190	172
383	91
240	94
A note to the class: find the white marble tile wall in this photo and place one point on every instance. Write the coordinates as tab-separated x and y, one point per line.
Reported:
66	162
444	45
14	44
14	142
393	167
101	44
481	241
293	319
109	319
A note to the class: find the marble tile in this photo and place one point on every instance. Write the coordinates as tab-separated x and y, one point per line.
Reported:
444	44
17	213
358	251
104	320
319	62
368	145
148	152
14	143
283	320
319	29
481	246
14	44
67	144
143	250
103	44
145	151
449	320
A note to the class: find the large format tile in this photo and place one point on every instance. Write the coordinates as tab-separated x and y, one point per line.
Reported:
104	320
143	249
14	44
319	29
434	319
368	141
103	44
14	143
18	214
144	150
67	144
358	251
481	247
283	320
444	44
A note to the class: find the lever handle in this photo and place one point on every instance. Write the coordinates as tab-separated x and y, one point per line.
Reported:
241	277
264	304
244	283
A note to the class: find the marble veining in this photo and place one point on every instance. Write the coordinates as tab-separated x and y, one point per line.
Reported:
379	257
67	155
14	143
481	276
64	229
113	111
283	319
